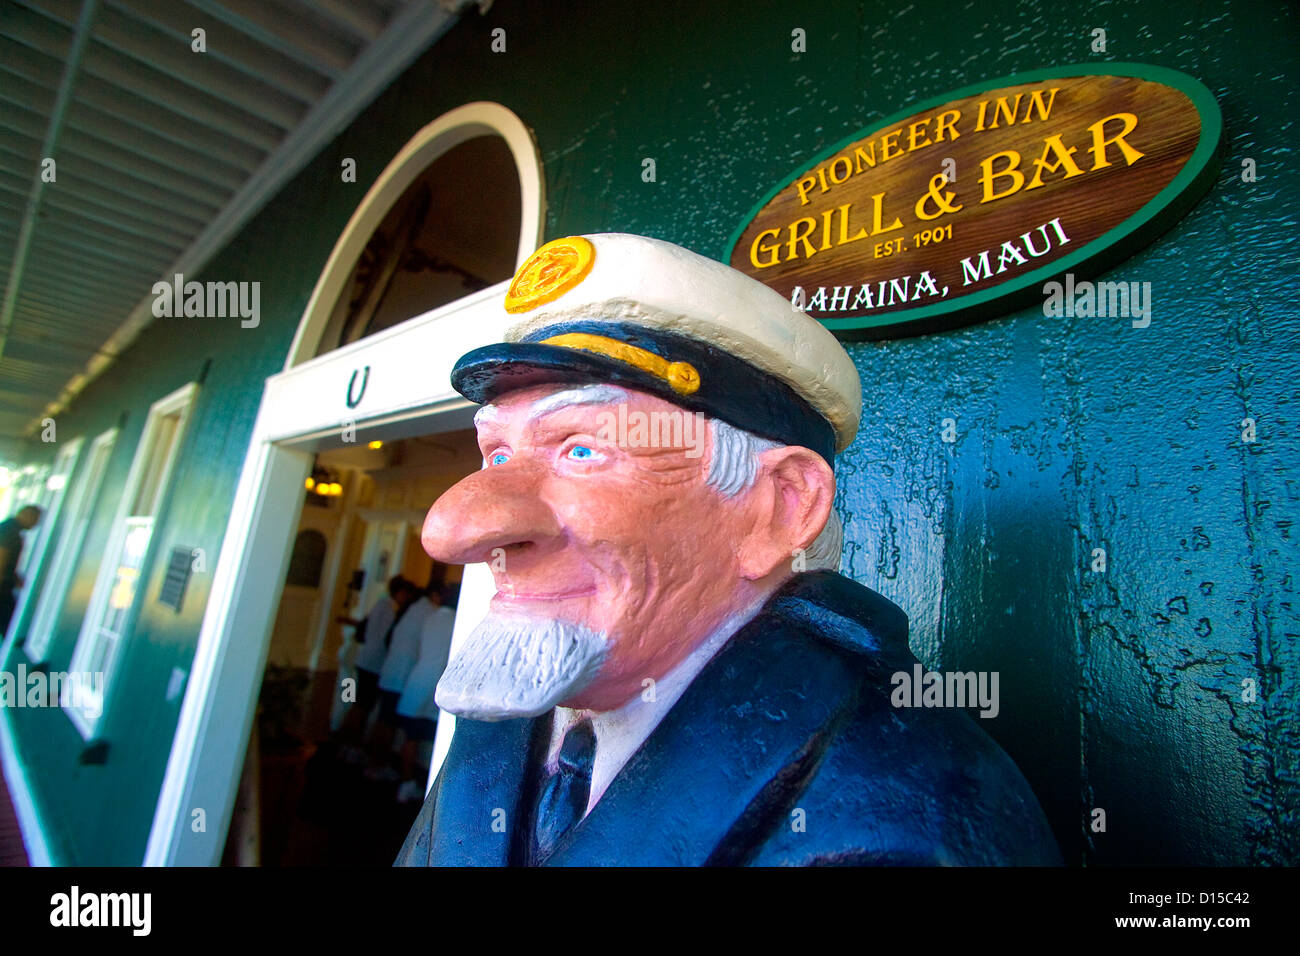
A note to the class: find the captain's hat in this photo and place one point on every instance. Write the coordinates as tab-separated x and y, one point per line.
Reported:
660	319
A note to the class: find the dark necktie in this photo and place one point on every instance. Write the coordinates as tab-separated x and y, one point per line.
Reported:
564	794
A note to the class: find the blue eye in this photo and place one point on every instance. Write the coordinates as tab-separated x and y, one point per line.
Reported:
500	458
580	453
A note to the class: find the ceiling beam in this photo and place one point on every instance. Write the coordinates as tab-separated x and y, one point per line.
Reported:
89	188
84	201
60	220
287	35
19	92
175	59
92	255
35	67
75	283
79	40
50	39
228	46
81	155
94	252
418	25
361	22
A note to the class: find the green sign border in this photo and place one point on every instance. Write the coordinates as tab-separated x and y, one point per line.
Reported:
1137	231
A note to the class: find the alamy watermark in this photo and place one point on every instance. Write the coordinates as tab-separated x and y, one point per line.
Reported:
638	429
39	688
1124	300
208	300
129	910
922	688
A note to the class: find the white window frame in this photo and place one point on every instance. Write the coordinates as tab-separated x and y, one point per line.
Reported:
81	507
53	493
179	403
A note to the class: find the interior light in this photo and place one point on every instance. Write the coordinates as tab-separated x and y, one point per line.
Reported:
376	445
311	483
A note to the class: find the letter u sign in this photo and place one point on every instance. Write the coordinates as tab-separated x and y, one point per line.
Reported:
353	402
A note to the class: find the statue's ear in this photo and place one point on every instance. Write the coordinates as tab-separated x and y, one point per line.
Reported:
786	508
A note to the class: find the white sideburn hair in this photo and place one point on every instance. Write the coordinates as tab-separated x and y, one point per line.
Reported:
734	468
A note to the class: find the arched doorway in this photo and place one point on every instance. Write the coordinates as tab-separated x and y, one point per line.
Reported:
384	201
435	245
360	380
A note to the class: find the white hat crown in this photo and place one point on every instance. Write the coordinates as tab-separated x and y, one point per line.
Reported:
664	287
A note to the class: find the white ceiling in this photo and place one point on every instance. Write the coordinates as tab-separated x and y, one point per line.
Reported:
162	153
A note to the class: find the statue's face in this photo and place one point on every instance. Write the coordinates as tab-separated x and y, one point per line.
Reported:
586	526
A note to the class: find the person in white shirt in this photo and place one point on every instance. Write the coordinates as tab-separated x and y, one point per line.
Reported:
399	660
417	712
372	632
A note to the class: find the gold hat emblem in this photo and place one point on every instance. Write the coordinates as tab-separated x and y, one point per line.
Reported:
550	272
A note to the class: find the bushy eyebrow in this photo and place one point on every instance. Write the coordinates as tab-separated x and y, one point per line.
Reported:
587	395
570	397
665	460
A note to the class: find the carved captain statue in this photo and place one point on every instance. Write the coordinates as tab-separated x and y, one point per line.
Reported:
672	672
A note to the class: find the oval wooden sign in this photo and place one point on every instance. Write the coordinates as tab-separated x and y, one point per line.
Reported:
964	207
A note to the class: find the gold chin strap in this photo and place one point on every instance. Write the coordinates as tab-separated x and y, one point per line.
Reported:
681	377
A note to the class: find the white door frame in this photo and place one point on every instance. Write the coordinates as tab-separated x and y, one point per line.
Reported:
329	579
402	375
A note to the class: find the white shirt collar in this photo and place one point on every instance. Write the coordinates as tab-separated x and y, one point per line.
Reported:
620	733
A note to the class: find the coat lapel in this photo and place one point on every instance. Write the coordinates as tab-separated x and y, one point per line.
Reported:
470	816
726	764
721	771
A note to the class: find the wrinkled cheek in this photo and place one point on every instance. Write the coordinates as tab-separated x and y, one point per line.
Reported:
622	589
649	556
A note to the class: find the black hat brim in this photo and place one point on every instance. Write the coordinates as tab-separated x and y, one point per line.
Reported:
730	389
485	374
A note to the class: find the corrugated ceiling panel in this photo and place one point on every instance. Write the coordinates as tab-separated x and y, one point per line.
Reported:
155	142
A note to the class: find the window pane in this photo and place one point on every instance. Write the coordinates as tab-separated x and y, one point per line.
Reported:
146	500
126	578
99	657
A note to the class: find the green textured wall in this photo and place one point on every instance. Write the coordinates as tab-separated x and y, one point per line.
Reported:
1120	691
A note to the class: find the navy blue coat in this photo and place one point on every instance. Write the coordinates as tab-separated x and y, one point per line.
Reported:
793	714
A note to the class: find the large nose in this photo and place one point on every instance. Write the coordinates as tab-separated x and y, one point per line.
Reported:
497	507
